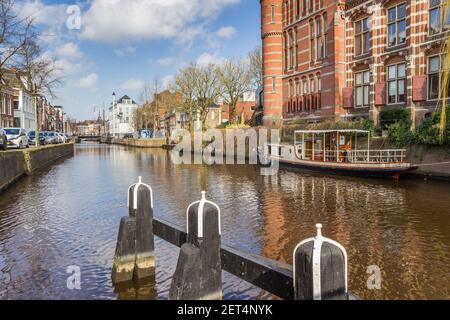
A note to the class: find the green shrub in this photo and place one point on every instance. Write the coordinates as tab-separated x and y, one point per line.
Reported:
400	133
428	132
389	117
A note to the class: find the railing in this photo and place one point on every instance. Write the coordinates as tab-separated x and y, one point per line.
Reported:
202	257
356	156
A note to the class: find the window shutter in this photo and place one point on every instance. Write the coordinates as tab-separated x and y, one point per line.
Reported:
347	97
419	88
380	93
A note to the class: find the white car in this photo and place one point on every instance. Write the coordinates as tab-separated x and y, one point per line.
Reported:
61	138
17	138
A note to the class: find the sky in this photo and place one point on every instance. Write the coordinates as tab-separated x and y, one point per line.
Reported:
105	46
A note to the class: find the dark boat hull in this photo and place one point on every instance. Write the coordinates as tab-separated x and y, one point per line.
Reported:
372	172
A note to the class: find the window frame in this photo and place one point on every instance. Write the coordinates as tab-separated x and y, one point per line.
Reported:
362	34
362	85
397	79
443	26
396	23
439	73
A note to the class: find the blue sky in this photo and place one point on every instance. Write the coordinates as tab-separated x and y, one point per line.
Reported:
124	43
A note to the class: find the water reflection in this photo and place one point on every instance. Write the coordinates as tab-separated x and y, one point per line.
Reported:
70	213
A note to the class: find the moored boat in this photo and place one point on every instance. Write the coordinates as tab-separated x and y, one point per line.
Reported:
345	152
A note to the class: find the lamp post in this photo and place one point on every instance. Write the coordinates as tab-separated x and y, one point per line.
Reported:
34	95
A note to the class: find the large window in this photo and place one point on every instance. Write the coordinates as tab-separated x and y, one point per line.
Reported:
272	13
311	36
396	85
362	86
397	25
438	17
362	36
291	50
435	78
325	36
319	38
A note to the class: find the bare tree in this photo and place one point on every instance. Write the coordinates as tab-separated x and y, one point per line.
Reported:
256	66
208	89
155	105
185	85
236	80
14	33
40	72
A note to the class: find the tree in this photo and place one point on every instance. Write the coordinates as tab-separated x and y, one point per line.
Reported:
14	34
208	89
256	66
185	85
236	80
445	78
39	70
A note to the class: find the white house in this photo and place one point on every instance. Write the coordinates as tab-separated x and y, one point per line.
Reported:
121	115
24	112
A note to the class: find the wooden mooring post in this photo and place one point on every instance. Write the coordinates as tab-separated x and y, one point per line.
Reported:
198	275
134	257
319	264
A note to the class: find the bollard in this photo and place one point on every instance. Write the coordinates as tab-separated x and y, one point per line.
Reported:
198	275
145	256
320	269
125	256
134	256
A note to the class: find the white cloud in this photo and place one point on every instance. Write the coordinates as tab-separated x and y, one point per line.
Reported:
165	61
125	51
206	58
51	15
226	32
124	20
89	81
132	85
167	81
69	50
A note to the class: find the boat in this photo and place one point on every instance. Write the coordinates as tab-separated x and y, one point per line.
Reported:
344	152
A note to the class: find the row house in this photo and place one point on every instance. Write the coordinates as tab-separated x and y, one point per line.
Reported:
393	54
6	105
331	59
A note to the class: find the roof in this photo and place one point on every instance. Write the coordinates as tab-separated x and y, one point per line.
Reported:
333	130
125	97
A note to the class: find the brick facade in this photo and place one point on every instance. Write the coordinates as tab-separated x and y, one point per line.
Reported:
351	59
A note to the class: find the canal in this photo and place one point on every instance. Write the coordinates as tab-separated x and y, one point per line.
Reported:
68	215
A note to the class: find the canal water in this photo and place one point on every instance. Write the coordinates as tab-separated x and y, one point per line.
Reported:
68	215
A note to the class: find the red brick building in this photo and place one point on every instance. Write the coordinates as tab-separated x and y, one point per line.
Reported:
6	106
351	59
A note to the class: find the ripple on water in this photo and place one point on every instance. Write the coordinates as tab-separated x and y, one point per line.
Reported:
70	213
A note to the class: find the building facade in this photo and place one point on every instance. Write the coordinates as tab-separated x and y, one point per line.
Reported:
351	59
6	106
121	116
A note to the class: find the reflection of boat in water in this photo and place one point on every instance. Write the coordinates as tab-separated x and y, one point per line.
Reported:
344	152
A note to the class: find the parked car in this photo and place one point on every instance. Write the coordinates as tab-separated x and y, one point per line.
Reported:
145	133
52	137
68	137
17	138
62	137
3	140
32	138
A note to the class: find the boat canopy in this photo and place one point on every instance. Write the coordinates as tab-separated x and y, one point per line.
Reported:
334	130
